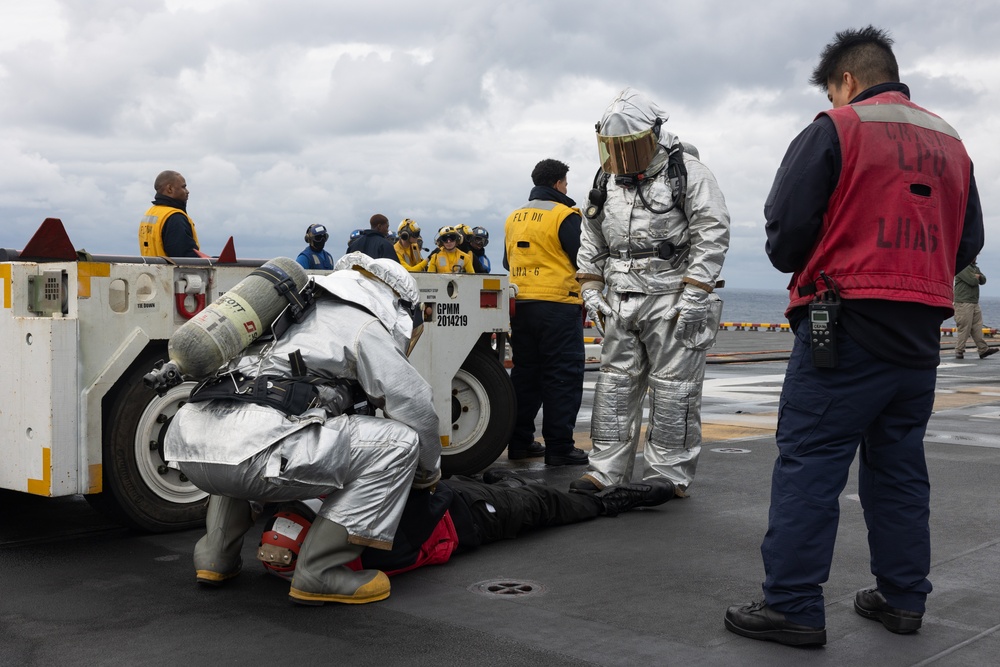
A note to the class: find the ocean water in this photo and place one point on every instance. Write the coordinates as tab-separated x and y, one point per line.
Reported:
768	306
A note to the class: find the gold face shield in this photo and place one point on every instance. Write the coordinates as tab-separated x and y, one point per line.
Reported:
627	154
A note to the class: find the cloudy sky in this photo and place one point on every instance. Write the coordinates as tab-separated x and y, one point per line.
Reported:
282	114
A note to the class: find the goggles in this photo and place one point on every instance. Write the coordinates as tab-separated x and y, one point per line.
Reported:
449	237
627	154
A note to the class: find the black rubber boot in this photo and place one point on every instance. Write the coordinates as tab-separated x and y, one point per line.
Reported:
623	497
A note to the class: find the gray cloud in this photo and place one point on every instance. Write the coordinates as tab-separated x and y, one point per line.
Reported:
284	115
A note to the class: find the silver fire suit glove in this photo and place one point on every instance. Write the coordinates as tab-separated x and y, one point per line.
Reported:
597	306
692	315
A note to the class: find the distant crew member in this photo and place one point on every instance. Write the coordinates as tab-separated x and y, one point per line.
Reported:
167	230
407	246
447	258
968	314
477	246
373	242
314	256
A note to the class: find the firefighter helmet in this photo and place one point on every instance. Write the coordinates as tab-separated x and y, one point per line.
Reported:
283	536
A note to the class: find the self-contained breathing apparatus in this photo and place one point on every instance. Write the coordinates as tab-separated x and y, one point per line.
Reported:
676	175
292	395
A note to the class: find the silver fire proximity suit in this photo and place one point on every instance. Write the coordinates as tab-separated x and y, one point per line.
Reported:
363	465
660	259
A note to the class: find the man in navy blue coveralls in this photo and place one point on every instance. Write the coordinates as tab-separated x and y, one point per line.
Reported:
861	196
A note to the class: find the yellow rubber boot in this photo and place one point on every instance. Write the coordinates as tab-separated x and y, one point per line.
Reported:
321	575
217	555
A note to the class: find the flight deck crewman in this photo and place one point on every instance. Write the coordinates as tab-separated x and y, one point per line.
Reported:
407	246
446	257
166	230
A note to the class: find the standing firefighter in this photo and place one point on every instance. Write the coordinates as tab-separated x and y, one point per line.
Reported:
277	425
655	236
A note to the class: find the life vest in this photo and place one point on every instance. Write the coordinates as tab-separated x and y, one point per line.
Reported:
410	257
539	266
893	224
315	259
151	230
450	261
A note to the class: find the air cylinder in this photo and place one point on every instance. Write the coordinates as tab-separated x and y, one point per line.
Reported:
236	319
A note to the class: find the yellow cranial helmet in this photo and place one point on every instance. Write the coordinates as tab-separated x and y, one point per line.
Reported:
447	232
408	229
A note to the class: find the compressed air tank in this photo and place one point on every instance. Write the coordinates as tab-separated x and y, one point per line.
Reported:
236	319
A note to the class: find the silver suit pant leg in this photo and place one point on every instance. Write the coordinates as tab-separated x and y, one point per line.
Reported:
384	457
621	389
362	466
640	351
676	375
673	438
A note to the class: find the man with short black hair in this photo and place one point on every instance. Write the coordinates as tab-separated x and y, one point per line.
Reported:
374	242
873	210
166	230
542	239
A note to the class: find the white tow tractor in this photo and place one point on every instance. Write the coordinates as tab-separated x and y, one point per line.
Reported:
79	332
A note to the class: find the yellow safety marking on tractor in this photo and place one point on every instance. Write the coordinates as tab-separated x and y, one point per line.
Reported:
491	284
5	275
96	483
43	486
87	270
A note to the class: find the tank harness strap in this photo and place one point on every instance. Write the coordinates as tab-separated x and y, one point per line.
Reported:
298	364
296	311
291	396
299	303
676	175
663	250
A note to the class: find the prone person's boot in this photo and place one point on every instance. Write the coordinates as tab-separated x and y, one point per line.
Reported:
217	555
321	573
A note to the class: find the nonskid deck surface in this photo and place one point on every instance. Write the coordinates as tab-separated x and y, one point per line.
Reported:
649	587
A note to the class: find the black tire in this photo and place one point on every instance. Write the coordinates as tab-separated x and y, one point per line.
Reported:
139	490
483	413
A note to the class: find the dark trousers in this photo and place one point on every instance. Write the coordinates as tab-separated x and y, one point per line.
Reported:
485	513
547	345
824	415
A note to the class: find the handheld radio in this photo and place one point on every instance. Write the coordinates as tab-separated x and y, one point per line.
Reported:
824	311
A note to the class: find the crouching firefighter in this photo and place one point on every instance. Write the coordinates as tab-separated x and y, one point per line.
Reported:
280	422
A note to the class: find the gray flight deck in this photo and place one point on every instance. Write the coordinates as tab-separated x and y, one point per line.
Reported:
646	588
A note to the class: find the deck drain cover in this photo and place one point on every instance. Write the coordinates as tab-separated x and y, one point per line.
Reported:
507	588
731	450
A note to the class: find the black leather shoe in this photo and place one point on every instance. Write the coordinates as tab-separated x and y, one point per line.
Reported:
992	350
574	457
758	621
502	477
583	485
623	497
532	451
871	604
